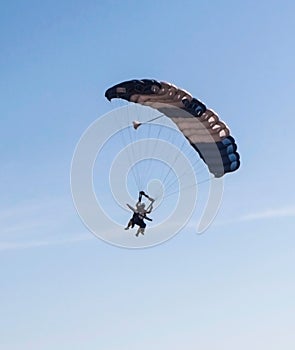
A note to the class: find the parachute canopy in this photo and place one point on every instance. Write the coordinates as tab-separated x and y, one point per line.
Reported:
206	133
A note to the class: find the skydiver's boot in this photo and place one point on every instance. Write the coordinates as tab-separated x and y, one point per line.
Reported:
128	225
140	230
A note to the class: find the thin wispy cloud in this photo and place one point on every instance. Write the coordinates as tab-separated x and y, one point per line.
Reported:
270	213
39	223
35	244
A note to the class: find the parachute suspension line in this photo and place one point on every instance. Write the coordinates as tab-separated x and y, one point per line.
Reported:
165	181
130	152
146	165
126	138
133	138
189	186
181	176
151	154
141	149
197	171
148	168
141	177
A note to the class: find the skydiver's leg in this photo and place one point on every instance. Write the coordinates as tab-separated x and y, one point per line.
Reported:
130	224
140	230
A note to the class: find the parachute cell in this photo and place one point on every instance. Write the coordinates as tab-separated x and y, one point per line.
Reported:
206	133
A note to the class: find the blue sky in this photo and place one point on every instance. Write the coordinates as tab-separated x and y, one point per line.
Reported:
61	287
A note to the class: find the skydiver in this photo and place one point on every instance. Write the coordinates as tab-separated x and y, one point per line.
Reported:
139	214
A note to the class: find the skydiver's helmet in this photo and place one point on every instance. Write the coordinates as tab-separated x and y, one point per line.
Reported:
141	206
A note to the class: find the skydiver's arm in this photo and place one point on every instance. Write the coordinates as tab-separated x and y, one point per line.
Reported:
150	207
130	207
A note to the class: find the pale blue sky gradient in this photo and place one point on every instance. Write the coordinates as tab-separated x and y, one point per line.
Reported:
62	288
